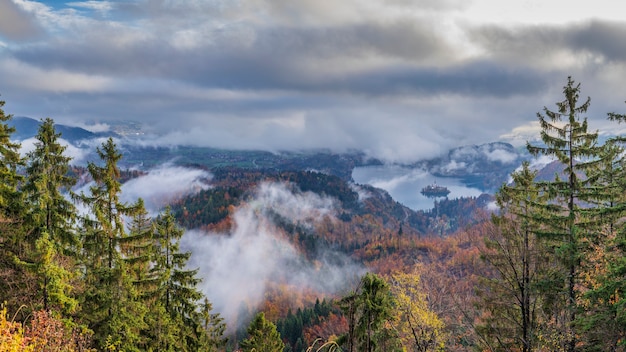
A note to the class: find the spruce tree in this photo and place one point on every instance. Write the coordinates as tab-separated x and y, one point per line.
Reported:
512	300
604	321
212	328
10	162
262	336
110	303
179	295
18	286
138	251
369	311
51	218
566	137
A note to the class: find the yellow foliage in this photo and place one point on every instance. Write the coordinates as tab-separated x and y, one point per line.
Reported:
12	335
420	328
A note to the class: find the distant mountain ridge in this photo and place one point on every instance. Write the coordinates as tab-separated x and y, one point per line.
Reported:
485	166
26	127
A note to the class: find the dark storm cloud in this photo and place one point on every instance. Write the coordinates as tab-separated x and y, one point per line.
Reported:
15	23
537	42
600	37
277	58
478	79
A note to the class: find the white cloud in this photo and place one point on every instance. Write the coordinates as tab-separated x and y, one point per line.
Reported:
164	184
454	165
36	79
100	6
362	193
503	156
519	135
77	154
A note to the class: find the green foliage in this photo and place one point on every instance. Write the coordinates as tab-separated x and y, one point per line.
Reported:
512	299
558	250
565	136
51	217
262	336
96	289
369	311
10	161
291	327
111	305
178	288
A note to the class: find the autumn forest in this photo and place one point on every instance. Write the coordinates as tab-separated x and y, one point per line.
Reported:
546	271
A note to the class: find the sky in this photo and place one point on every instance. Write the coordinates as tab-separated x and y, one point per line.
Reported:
401	80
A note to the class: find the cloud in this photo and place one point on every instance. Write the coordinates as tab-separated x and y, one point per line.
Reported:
393	177
454	165
237	267
77	154
158	187
401	80
162	185
99	6
362	193
16	23
503	156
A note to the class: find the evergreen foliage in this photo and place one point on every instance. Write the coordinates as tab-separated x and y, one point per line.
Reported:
566	137
126	287
262	336
51	218
111	305
369	311
512	299
179	294
10	162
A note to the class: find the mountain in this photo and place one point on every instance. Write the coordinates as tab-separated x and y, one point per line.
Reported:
26	127
486	166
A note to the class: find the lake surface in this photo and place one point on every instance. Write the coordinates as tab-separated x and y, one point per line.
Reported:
404	184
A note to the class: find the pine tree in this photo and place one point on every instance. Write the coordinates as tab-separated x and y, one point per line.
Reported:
110	303
262	336
138	249
566	137
51	217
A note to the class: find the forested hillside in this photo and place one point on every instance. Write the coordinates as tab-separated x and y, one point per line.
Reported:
90	272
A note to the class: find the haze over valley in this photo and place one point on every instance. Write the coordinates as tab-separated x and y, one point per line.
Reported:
315	175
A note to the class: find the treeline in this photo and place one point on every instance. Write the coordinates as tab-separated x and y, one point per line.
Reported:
210	209
90	272
378	314
558	247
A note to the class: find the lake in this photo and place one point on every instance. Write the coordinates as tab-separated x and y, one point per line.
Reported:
404	184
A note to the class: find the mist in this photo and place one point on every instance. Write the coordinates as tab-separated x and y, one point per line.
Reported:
158	187
164	184
237	267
